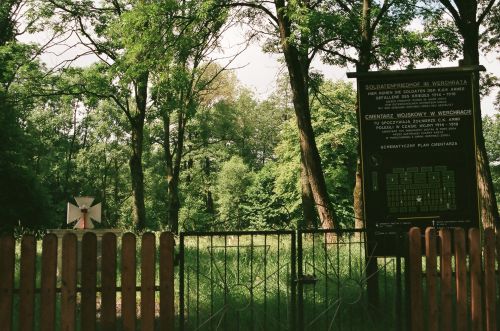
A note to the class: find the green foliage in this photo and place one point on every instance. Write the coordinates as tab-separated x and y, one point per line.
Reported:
334	122
7	24
491	35
23	201
69	133
233	181
264	208
491	129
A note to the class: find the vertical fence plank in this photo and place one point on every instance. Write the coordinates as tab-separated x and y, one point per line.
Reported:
68	282
475	279
27	284
148	263
498	263
489	279
431	279
128	282
167	312
461	279
7	258
416	280
89	281
446	288
108	282
48	283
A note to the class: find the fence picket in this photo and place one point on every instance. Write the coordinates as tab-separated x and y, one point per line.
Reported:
148	282
475	279
431	279
89	281
27	283
68	282
167	312
108	282
497	237
7	258
446	289
489	279
129	312
416	280
128	280
461	279
48	283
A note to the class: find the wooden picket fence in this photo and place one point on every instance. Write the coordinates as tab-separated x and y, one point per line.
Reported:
75	299
460	280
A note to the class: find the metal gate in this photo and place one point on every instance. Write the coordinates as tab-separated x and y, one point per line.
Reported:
286	280
237	280
342	286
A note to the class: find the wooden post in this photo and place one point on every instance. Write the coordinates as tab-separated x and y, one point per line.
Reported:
489	279
475	279
461	279
7	258
108	281
446	290
167	312
89	281
431	278
148	263
128	282
498	257
27	282
48	285
68	282
416	280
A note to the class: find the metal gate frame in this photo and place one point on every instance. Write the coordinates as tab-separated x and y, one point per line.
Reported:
291	283
301	280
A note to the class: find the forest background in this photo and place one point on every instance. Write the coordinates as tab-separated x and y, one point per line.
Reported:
158	128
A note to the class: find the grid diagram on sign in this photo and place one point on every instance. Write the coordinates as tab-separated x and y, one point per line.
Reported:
421	189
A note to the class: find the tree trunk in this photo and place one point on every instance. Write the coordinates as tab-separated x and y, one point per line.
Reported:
309	214
371	264
488	204
209	201
298	73
69	159
137	131
359	215
363	65
173	202
173	165
137	177
116	193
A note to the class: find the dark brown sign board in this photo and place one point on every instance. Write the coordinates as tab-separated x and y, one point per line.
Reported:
417	132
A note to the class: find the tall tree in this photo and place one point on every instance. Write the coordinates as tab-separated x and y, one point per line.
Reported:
184	72
288	23
99	28
470	19
375	34
334	124
23	201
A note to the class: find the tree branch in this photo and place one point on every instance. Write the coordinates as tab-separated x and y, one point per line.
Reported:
485	12
382	12
454	13
256	6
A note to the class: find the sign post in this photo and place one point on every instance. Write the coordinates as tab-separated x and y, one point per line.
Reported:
417	131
